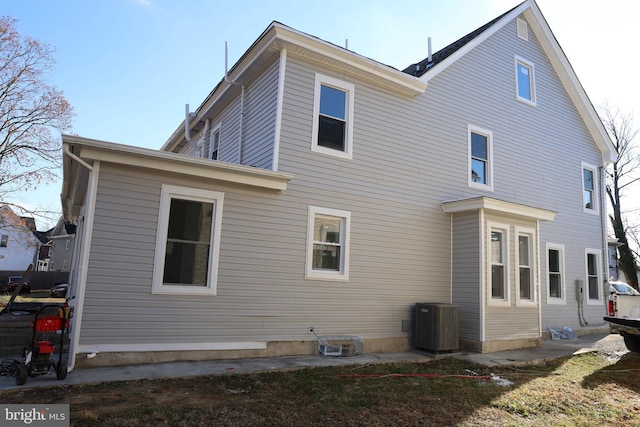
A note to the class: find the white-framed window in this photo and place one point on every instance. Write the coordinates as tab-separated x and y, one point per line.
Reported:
498	260
480	158
589	188
4	240
187	241
593	276
526	263
67	244
556	289
525	81
333	117
210	146
328	235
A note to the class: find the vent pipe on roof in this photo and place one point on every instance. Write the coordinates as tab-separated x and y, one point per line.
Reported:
226	79
429	58
346	44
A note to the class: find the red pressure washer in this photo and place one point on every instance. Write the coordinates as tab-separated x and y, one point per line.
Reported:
39	358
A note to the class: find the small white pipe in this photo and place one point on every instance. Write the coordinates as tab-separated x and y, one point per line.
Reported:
67	151
429	58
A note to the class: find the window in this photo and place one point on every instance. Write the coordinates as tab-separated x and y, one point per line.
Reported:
526	262
188	241
525	81
67	243
480	154
4	240
498	258
589	194
333	117
555	269
593	275
210	146
328	244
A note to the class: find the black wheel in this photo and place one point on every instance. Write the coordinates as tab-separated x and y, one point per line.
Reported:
22	374
61	370
632	342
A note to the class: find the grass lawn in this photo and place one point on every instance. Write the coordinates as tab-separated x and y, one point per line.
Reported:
590	389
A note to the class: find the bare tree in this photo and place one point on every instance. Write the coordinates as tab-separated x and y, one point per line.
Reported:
622	174
32	113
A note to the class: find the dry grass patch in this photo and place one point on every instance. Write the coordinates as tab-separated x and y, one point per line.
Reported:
586	390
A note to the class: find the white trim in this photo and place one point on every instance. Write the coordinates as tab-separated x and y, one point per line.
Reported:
483	278
505	230
174	346
277	134
596	193
501	206
349	88
533	265
531	75
168	193
215	129
489	172
598	261
345	231
563	282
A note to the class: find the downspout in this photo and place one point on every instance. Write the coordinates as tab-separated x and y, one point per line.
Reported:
603	222
231	82
187	126
205	134
81	277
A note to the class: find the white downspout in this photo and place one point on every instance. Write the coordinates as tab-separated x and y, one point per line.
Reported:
226	79
85	246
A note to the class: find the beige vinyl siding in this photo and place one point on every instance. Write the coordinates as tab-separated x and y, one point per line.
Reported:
465	272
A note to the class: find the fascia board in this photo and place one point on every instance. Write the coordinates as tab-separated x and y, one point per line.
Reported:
487	203
570	82
440	67
167	162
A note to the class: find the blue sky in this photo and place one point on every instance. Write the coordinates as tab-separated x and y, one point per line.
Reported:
129	66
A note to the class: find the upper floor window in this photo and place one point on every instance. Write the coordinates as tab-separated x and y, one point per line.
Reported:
333	117
525	81
480	158
210	147
589	193
4	240
328	244
187	241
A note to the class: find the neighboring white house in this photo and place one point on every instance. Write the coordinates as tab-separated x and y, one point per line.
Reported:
324	189
18	245
61	242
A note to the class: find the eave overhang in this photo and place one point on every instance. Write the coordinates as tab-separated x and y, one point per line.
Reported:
91	151
278	38
499	206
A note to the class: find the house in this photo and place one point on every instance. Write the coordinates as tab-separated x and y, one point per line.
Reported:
19	245
317	188
62	244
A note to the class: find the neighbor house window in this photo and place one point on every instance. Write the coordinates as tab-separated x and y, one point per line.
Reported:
498	242
480	154
555	269
328	244
589	194
525	81
593	275
188	241
333	117
4	240
526	262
